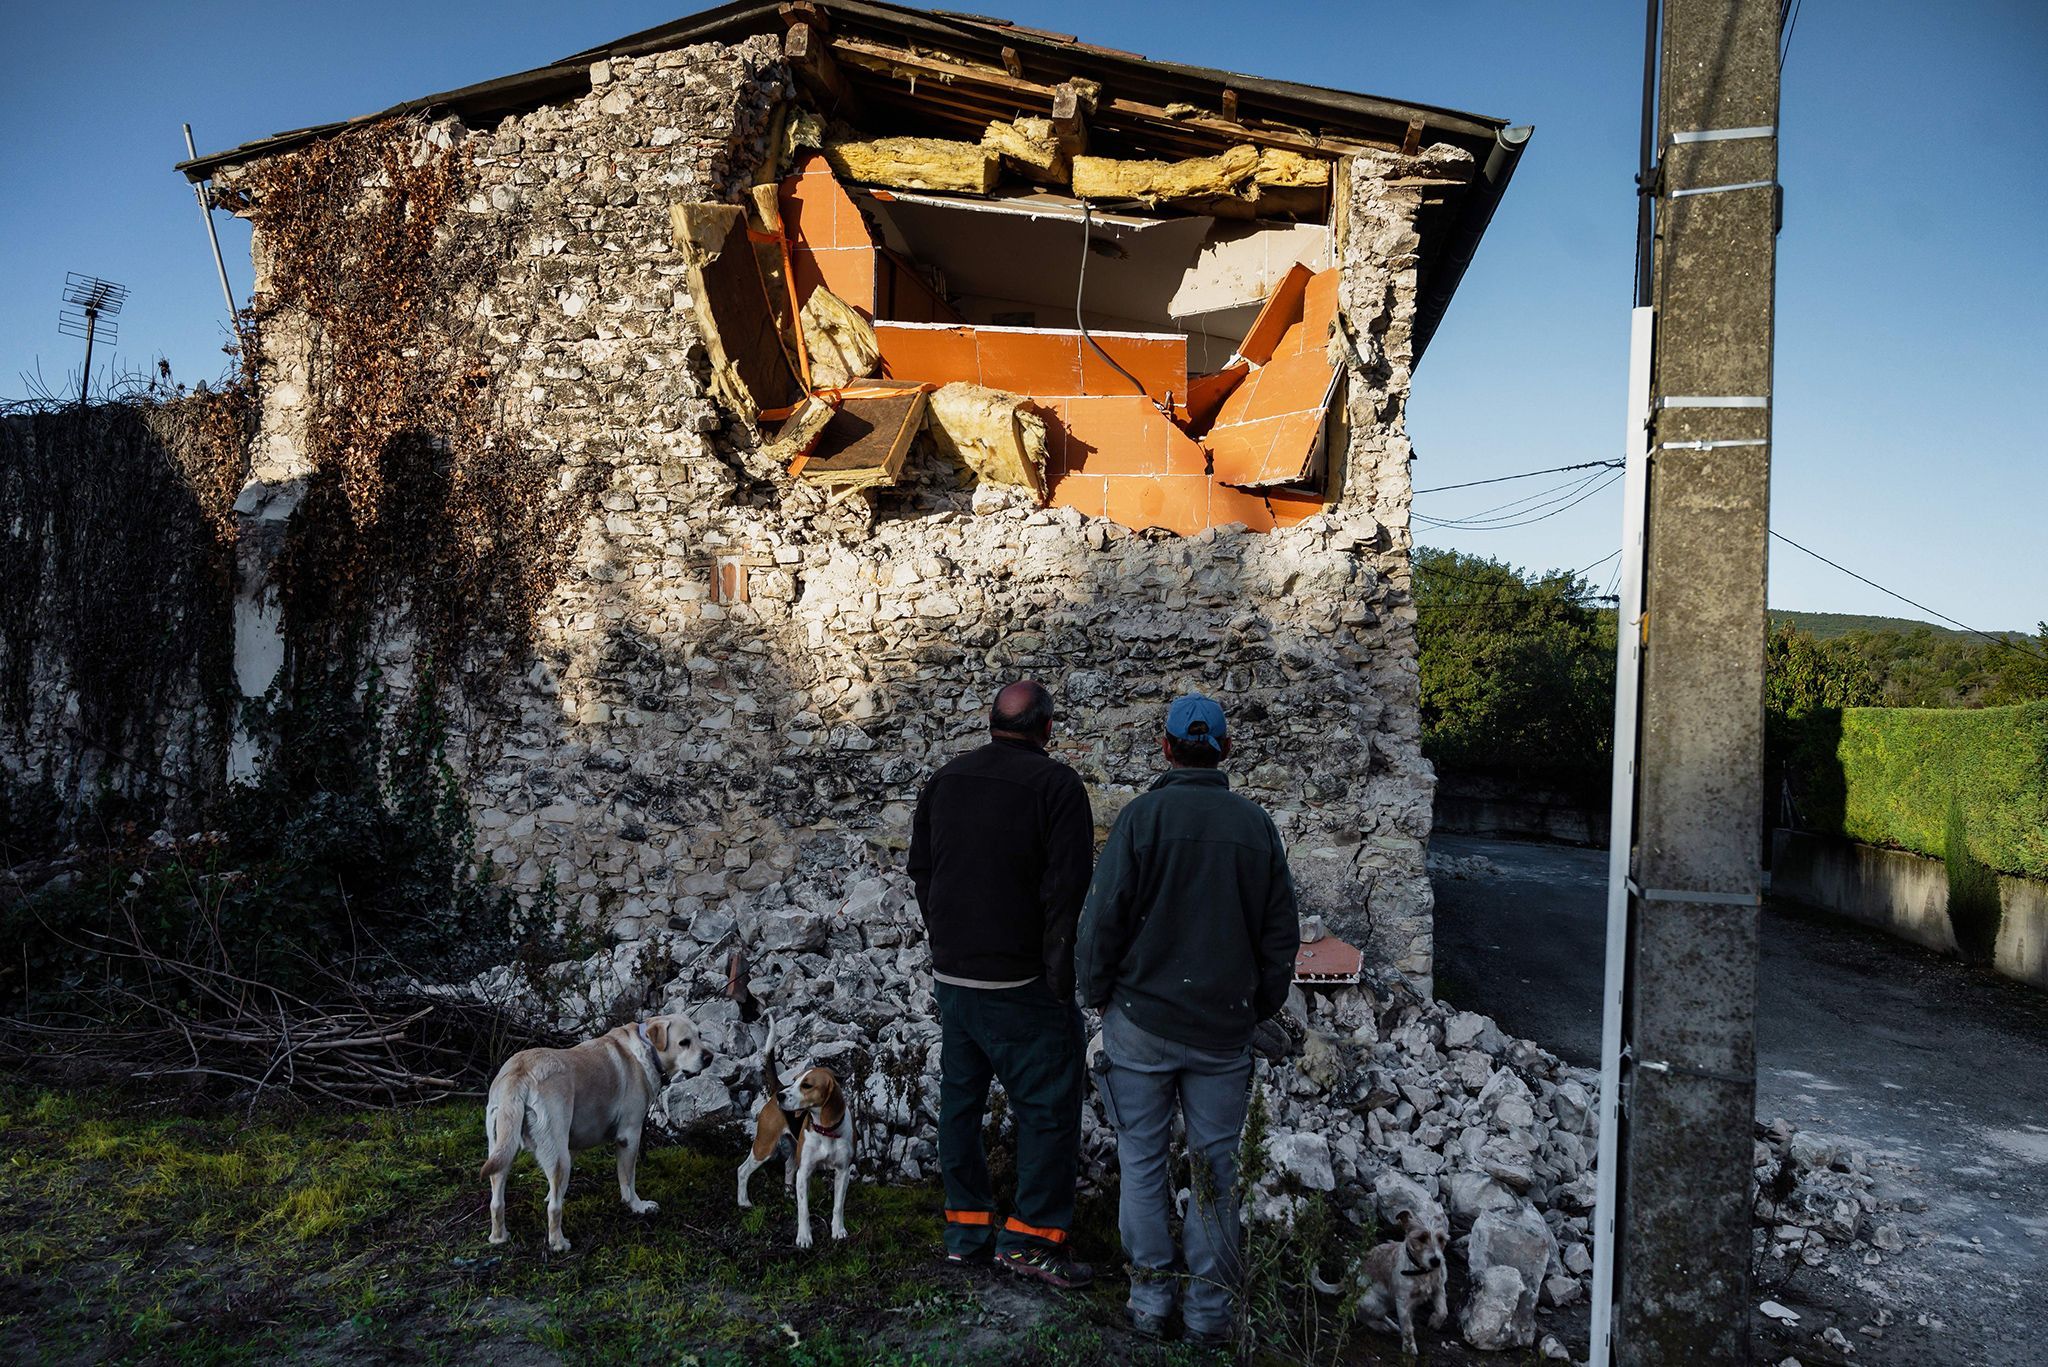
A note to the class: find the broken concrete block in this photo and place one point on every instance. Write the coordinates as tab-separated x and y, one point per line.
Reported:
1152	181
839	342
1488	1319
995	434
1036	149
916	163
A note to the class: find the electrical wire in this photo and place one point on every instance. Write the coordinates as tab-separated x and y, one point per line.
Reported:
1496	526
1080	289
1526	474
1791	25
1517	507
1965	626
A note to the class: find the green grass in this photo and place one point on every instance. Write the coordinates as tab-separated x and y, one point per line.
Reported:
141	1231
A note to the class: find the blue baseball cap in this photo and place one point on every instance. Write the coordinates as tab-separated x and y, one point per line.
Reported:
1196	718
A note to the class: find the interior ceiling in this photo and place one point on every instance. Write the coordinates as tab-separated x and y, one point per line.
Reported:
1169	274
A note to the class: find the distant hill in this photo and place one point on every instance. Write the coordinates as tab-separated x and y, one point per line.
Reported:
1825	626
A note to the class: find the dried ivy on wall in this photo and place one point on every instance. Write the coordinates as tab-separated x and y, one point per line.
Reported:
420	507
117	554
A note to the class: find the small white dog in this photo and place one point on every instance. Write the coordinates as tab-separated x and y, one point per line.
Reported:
1399	1275
818	1123
556	1101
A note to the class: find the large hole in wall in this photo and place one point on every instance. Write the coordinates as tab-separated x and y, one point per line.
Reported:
1133	360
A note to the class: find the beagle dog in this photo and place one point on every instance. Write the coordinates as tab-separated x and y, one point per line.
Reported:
556	1101
818	1123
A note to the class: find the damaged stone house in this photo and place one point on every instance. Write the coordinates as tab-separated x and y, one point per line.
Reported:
903	353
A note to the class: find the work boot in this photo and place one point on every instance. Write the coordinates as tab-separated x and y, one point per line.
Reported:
1049	1265
1145	1324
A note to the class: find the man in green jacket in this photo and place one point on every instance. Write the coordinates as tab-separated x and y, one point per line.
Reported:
1187	942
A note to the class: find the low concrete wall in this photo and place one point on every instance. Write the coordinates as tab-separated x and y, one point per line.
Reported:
1469	804
1907	895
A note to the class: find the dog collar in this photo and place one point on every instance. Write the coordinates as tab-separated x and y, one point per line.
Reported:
824	1133
653	1053
1417	1271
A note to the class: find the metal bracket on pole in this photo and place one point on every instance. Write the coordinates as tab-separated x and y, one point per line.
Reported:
1724	189
1714	401
1710	445
1718	899
1725	134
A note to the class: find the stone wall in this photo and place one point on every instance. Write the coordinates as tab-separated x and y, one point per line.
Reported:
673	748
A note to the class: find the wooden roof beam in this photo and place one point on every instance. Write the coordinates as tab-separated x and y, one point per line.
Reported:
918	67
809	54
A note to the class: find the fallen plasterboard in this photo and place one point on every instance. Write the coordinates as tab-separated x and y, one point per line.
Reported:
1241	264
867	441
1269	431
750	371
916	163
993	433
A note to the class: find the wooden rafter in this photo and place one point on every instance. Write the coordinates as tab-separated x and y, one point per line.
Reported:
1004	93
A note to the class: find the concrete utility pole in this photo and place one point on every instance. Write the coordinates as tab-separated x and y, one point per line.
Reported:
1694	892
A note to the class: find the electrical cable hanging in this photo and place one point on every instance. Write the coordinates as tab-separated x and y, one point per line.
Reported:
1080	289
1526	474
1501	512
1964	626
1574	498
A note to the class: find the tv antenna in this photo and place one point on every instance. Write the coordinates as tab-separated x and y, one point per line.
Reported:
90	306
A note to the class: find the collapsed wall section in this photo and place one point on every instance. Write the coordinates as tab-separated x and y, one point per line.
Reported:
739	669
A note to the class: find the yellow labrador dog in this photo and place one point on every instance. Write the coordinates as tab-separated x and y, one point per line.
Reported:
556	1101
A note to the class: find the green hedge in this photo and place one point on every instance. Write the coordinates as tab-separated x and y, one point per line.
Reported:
1890	776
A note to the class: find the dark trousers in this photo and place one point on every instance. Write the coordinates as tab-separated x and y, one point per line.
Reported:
1030	1041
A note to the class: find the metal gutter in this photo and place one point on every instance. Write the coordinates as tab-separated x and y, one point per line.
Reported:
1482	197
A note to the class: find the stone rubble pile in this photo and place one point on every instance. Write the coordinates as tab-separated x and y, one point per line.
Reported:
1380	1101
1819	1198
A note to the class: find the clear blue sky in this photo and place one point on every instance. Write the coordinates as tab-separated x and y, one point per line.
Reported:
1912	287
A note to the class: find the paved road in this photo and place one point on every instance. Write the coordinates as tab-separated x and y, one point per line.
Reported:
1941	1070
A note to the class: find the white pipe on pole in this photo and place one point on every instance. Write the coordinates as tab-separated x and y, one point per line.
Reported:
1628	659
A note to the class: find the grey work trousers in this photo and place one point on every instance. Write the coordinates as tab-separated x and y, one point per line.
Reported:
1147	1076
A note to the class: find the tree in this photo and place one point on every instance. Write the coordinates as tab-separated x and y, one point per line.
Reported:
1517	672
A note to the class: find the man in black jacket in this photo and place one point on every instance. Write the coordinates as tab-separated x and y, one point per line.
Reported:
1000	850
1187	942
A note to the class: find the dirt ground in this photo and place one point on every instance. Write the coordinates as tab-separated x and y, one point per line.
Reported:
137	1230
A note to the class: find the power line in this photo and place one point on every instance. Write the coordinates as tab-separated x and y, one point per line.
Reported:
1528	503
1791	24
1526	474
1574	502
1995	640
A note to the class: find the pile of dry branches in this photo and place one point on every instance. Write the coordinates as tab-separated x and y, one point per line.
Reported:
357	1030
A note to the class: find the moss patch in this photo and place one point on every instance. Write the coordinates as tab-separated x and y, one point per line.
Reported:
138	1231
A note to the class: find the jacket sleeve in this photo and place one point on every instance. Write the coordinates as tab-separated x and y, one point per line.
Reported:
1108	917
1069	855
1279	935
921	847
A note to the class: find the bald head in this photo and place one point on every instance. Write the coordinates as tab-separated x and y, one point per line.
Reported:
1023	711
